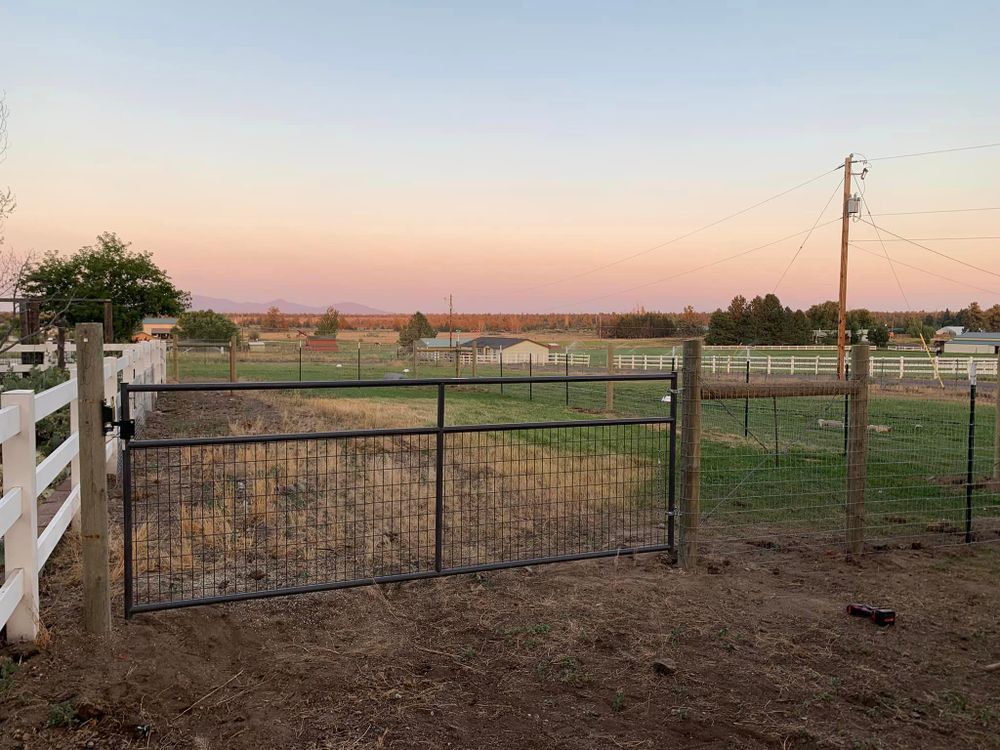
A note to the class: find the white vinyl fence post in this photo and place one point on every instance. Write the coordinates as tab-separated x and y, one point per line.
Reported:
110	388
21	540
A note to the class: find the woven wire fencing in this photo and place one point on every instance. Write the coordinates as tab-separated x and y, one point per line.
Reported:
774	473
922	454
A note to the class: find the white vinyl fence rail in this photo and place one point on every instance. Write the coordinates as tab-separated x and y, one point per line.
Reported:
886	367
25	479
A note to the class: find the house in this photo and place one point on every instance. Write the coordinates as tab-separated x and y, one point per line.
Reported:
513	349
973	342
158	328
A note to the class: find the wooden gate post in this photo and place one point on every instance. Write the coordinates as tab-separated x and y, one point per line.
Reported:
690	453
175	353
610	398
93	480
232	359
996	428
857	450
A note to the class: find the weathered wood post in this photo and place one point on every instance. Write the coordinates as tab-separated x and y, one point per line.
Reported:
415	359
232	359
93	480
610	397
996	428
175	354
857	450
690	453
475	356
109	322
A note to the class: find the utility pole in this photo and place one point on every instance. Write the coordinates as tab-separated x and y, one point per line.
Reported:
844	232
450	311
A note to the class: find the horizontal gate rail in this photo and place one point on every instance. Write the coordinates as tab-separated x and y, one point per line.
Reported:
494	503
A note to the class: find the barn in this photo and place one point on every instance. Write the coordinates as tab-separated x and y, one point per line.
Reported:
513	349
321	343
974	342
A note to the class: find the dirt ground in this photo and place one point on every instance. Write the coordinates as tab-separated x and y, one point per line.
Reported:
753	651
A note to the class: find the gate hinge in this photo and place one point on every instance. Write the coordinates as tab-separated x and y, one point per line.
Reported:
126	427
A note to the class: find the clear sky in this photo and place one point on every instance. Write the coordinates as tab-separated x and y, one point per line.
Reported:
391	153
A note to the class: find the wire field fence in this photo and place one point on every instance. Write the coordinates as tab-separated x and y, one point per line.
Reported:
224	518
774	473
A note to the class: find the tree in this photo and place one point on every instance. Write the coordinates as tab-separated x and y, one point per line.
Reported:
273	319
972	317
329	323
824	316
721	329
416	328
878	335
7	202
205	325
992	316
136	286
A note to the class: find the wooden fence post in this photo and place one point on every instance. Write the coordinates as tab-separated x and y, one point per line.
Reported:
21	539
690	453
996	428
93	480
610	396
175	353
857	450
232	359
475	356
415	359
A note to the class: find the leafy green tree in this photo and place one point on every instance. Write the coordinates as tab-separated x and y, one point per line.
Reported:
329	324
798	330
136	286
767	320
416	328
878	335
205	325
824	315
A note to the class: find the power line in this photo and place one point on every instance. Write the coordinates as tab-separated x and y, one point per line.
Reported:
937	151
931	239
806	238
936	252
697	268
924	270
940	211
675	239
885	251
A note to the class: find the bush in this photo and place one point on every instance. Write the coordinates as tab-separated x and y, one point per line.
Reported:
54	429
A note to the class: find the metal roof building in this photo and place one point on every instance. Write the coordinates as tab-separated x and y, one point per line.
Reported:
974	342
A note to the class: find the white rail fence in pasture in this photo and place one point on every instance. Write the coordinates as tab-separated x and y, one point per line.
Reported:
886	367
26	480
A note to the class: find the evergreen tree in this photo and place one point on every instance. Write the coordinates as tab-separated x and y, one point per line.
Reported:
416	328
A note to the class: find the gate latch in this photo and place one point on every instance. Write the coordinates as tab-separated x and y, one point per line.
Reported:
126	427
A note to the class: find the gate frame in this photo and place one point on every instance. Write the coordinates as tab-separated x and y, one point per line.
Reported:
440	430
693	391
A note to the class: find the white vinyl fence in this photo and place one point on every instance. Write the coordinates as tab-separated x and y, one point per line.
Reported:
886	367
25	479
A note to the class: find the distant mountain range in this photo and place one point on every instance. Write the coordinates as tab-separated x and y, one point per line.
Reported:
222	305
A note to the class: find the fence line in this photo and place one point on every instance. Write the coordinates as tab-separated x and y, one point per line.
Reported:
878	367
25	550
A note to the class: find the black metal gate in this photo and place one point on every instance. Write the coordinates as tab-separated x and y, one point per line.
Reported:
215	519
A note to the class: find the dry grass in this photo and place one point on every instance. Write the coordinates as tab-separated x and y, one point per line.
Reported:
318	510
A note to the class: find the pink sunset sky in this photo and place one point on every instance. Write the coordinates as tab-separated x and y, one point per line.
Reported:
390	155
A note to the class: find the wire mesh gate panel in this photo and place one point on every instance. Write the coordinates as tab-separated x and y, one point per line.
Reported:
773	470
226	518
